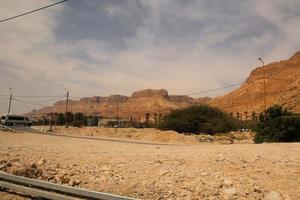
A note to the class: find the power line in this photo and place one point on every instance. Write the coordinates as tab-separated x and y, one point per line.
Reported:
233	85
25	105
75	98
215	89
39	97
22	102
29	12
43	101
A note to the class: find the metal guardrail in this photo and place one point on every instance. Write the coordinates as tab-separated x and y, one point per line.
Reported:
50	190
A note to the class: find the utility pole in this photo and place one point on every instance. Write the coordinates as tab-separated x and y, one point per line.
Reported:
10	98
67	102
264	77
118	112
50	121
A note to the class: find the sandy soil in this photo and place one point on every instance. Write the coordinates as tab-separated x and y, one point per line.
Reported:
238	171
154	135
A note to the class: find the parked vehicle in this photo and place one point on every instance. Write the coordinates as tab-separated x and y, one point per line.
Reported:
15	120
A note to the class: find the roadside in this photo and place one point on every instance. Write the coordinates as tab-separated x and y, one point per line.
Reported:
239	171
155	135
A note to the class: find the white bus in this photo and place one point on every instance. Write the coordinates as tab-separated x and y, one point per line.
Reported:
15	120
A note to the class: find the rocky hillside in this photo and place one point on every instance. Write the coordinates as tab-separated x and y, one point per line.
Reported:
137	105
282	87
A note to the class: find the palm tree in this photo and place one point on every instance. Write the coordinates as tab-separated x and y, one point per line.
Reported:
254	118
155	118
246	115
238	115
147	117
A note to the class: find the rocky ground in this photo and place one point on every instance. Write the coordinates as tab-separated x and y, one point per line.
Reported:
152	171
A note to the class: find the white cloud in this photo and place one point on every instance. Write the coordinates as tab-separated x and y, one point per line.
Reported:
183	47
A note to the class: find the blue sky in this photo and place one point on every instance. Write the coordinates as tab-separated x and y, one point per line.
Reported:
102	47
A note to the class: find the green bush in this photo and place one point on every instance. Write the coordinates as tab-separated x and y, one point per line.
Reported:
69	117
278	125
60	119
198	119
79	119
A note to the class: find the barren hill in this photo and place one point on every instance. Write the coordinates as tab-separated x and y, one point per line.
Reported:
282	87
137	105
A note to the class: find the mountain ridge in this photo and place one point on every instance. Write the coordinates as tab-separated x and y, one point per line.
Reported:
282	87
152	101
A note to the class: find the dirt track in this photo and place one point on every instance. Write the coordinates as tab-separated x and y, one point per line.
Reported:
239	171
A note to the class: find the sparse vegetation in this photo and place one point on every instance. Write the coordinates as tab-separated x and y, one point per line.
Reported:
60	119
79	119
278	125
197	120
69	117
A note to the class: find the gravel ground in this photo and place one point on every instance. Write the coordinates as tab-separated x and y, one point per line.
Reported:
205	171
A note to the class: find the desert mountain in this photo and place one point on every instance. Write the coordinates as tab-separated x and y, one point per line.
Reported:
137	105
282	87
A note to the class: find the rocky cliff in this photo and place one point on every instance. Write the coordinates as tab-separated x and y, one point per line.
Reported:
282	87
137	105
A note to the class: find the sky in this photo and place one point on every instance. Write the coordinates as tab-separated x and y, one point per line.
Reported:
104	47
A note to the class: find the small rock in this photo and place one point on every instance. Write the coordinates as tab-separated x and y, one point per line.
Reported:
204	174
258	170
3	161
273	195
163	172
42	161
105	168
228	181
34	166
103	179
46	176
257	189
8	164
53	173
229	193
159	162
15	160
64	179
74	182
57	179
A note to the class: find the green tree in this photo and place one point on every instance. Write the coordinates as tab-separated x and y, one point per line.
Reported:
238	115
246	115
198	119
155	119
69	117
277	124
79	119
253	116
147	116
60	119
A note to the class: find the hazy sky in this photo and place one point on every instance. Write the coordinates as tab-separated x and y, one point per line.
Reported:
102	47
